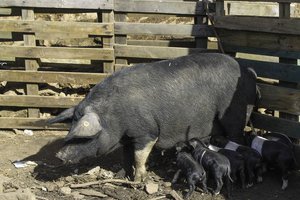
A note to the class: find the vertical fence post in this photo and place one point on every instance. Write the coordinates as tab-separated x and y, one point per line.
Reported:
107	42
284	13
120	39
201	42
220	11
30	64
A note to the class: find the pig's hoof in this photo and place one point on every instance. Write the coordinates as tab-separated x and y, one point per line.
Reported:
249	185
140	177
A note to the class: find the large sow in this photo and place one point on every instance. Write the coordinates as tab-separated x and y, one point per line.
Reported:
159	103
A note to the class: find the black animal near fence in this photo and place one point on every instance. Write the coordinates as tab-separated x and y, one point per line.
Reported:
51	49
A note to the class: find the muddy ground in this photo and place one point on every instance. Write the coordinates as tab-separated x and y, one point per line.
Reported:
52	180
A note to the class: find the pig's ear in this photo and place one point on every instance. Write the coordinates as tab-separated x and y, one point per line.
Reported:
87	127
66	114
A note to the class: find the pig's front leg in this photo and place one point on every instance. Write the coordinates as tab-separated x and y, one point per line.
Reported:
141	154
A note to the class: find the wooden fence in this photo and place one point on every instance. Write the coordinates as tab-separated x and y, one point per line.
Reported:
118	42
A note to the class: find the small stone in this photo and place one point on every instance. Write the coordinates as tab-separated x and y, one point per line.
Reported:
69	179
60	183
94	171
62	94
65	190
167	184
50	187
151	188
76	195
44	189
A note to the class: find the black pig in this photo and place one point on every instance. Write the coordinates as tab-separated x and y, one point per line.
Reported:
190	169
160	103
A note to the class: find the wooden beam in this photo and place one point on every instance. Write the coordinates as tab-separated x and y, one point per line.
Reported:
5	11
107	42
30	64
265	122
258	50
259	24
132	51
167	7
279	71
163	43
276	1
86	4
86	28
51	77
29	123
124	28
34	101
121	39
260	43
280	98
57	52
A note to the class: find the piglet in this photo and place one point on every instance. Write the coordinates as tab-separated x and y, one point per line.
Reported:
190	169
214	163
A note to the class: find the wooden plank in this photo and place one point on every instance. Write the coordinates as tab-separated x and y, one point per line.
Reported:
108	42
35	101
258	50
280	98
276	1
285	13
132	51
86	4
30	64
120	63
57	52
51	77
163	43
5	11
259	24
263	43
49	27
29	123
163	7
5	35
163	29
290	128
279	71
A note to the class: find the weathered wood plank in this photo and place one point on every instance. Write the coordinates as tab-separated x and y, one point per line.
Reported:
258	50
29	123
279	71
5	35
30	64
163	43
263	43
132	51
108	42
34	101
5	11
276	1
50	27
167	7
290	128
86	4
259	24
57	52
280	98
163	29
120	63
51	77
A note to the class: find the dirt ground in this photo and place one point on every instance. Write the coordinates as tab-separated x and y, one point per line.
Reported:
52	180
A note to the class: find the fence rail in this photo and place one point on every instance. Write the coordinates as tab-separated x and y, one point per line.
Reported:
78	52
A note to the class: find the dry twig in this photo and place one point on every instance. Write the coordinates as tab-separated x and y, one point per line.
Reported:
83	185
